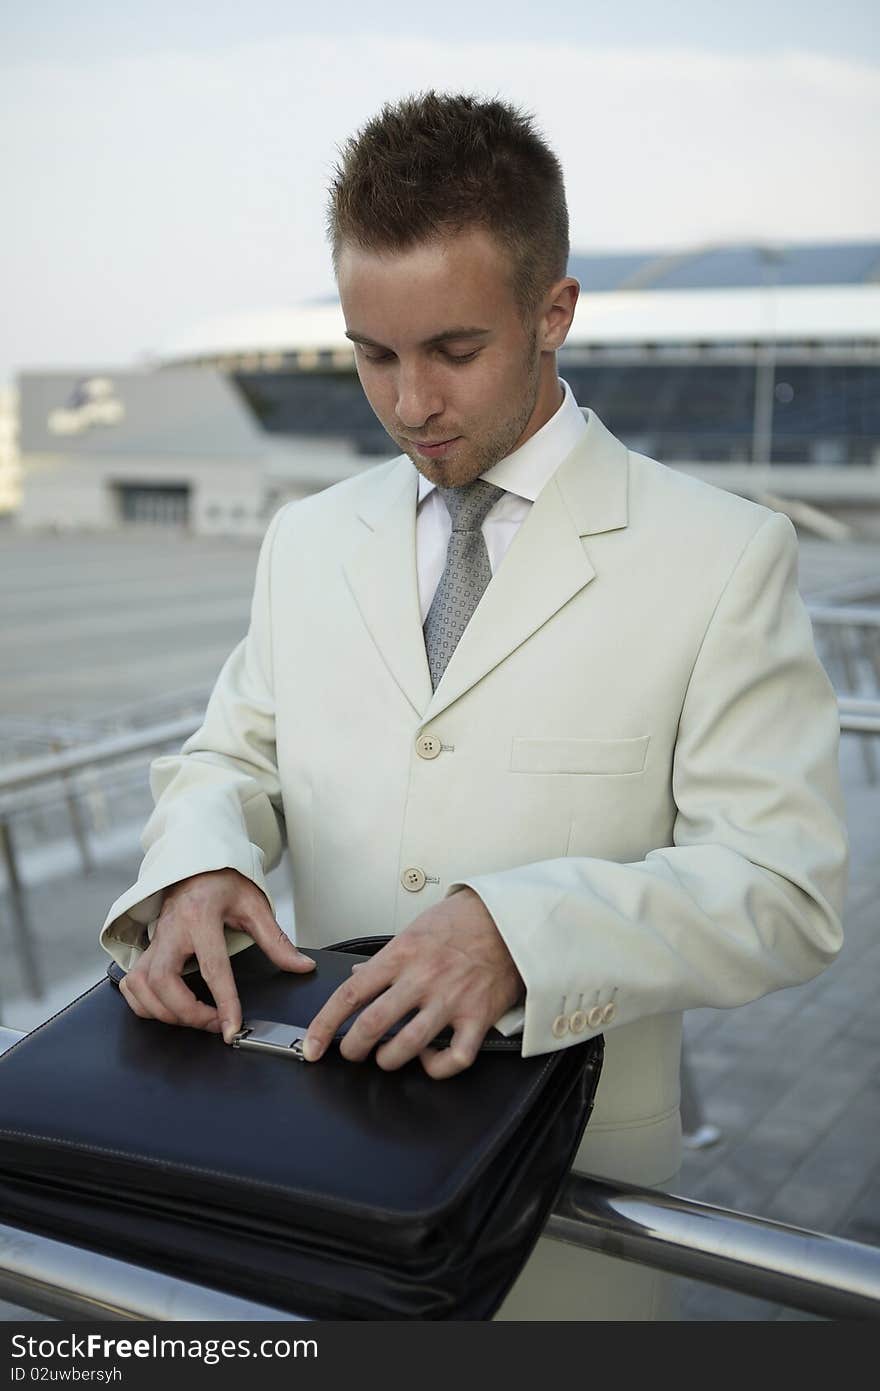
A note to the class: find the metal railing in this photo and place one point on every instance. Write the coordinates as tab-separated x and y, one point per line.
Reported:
46	1276
821	1274
845	615
859	716
49	767
848	640
56	768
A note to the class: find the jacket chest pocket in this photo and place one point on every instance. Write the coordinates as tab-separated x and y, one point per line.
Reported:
596	756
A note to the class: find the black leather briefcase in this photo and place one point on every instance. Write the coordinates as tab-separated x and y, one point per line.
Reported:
332	1190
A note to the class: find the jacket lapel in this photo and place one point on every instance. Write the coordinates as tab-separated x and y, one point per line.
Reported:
383	579
545	566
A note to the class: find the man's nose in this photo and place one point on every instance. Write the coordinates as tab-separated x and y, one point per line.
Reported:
418	398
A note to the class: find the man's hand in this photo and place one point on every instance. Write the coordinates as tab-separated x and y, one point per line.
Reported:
191	923
451	965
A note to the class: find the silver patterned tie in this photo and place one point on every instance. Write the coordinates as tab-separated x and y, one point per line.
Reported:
466	574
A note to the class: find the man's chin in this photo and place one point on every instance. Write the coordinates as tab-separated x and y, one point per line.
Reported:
446	473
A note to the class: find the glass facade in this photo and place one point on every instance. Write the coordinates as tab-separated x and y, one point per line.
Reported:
824	413
324	404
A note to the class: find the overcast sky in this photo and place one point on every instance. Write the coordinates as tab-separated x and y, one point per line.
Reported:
166	163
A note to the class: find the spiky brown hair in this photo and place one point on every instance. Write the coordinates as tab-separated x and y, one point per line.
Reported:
437	163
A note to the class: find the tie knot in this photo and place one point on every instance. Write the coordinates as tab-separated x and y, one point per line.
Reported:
468	506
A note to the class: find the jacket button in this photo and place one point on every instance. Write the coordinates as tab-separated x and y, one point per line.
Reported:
559	1026
413	879
578	1022
427	746
595	1017
609	1012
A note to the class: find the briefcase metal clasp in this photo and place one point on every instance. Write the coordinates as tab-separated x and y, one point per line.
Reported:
264	1036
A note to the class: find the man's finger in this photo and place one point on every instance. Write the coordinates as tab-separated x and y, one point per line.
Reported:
360	988
463	1049
270	936
412	1040
176	995
129	995
388	1009
166	982
143	1000
217	973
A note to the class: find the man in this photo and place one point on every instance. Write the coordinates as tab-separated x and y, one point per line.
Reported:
544	709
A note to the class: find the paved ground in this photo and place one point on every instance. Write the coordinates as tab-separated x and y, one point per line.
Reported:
95	621
792	1080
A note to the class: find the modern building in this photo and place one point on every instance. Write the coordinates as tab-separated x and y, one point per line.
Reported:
757	367
174	448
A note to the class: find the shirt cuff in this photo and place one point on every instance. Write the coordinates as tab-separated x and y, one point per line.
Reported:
512	1022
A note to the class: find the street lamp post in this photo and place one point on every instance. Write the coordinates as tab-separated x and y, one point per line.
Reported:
765	362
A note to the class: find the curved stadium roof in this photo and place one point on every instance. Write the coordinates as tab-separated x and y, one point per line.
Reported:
828	292
732	267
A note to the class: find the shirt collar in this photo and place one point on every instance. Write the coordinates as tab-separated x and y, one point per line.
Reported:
528	468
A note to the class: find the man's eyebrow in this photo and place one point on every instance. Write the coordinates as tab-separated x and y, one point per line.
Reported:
448	333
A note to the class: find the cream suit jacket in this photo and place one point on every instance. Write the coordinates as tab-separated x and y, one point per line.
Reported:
633	760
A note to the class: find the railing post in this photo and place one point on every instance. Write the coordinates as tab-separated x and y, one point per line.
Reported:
21	927
76	821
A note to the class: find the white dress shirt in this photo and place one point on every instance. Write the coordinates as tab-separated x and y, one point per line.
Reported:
521	474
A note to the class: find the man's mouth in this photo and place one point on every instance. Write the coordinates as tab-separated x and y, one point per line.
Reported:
431	451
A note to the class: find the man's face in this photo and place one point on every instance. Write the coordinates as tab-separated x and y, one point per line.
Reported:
480	389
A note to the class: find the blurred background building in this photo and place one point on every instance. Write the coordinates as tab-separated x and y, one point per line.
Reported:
754	366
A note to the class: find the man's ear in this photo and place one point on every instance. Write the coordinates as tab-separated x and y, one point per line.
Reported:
556	320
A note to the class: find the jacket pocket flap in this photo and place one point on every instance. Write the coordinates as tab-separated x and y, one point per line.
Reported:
579	755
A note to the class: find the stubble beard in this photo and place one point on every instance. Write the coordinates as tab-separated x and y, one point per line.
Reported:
499	443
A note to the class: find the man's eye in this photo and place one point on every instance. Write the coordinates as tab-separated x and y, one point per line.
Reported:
450	357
